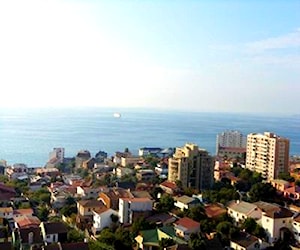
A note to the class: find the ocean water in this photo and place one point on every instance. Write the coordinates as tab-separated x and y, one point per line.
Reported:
28	135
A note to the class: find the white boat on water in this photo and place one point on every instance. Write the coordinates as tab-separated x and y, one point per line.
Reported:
117	115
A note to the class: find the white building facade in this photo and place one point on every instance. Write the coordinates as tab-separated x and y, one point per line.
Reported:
129	208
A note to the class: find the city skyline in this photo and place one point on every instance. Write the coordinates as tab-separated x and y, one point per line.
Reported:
184	55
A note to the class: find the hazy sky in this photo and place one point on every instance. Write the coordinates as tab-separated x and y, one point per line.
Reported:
235	56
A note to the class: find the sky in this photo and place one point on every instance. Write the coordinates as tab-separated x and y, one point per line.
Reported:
209	55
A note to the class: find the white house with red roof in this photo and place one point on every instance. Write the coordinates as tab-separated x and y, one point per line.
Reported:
102	217
185	226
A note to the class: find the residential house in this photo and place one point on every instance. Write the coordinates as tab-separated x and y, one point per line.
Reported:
244	241
185	226
86	207
149	151
27	232
145	174
185	202
26	221
23	212
103	217
292	193
150	239
241	210
129	160
89	164
111	197
71	179
169	187
82	156
215	210
29	237
84	218
296	227
17	171
121	172
54	232
48	172
279	184
162	219
88	192
132	208
275	222
119	155
6	213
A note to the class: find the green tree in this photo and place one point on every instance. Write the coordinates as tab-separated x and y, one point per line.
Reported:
166	242
196	213
97	245
262	191
226	230
286	176
75	235
43	213
197	242
166	203
140	224
41	196
249	225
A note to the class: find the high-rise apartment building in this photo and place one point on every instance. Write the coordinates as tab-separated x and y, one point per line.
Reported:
267	154
230	139
192	166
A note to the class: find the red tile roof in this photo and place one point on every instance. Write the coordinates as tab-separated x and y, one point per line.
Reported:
214	210
169	184
187	223
23	211
25	221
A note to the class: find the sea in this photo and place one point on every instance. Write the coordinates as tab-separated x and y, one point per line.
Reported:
27	135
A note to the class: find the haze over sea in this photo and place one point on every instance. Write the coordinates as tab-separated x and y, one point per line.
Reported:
28	135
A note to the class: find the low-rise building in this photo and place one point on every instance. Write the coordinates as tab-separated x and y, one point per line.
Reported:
132	208
244	241
169	187
279	184
149	151
17	171
88	192
185	226
102	218
275	221
86	207
293	193
145	175
5	213
121	172
54	232
111	197
185	202
215	210
296	227
241	210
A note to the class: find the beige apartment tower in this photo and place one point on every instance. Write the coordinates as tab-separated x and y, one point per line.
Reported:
192	166
267	154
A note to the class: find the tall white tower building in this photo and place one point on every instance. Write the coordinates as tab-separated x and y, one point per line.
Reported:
230	139
267	154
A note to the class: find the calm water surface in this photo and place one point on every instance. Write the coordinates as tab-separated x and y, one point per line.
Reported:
29	135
